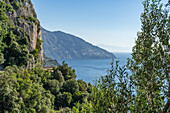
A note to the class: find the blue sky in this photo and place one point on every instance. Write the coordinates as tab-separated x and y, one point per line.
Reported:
110	24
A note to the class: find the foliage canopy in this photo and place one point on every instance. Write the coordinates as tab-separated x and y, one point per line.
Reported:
147	87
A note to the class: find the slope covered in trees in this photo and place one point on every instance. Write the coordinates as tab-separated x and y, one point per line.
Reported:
40	91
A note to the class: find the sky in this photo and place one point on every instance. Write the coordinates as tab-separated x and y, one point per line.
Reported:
110	24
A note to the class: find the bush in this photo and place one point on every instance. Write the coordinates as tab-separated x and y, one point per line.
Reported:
39	44
20	91
82	85
70	86
16	5
31	18
35	52
3	16
67	72
53	86
63	100
58	75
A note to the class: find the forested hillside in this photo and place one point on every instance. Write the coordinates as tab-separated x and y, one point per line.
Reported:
24	85
39	91
141	86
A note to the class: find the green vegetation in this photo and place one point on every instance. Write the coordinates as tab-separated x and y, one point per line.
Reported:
3	15
6	7
14	42
13	47
32	19
145	90
16	5
21	91
3	8
39	44
35	52
37	90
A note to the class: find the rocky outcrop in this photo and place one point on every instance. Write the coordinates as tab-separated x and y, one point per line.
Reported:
49	62
24	18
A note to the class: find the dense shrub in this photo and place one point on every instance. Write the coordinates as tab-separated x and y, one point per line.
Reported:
53	86
3	15
16	5
58	75
70	86
38	90
13	46
67	72
24	94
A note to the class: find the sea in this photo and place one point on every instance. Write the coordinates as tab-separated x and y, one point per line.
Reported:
91	69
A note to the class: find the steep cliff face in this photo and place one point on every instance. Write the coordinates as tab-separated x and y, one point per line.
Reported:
22	16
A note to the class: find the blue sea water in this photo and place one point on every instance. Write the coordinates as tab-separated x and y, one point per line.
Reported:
90	69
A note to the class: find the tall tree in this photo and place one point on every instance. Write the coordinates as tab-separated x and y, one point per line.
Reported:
150	58
147	89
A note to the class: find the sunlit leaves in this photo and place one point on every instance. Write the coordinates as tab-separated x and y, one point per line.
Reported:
146	88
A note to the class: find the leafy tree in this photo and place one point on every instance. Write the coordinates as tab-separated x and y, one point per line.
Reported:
79	97
9	99
53	86
63	100
113	92
151	59
147	88
86	107
3	15
82	85
19	92
70	86
58	75
89	88
16	54
38	90
67	72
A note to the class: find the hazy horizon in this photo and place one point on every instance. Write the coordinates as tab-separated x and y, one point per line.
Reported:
106	24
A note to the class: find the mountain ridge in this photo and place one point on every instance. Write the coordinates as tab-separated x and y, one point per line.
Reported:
61	45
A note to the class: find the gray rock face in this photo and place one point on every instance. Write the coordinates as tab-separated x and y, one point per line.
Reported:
27	23
60	45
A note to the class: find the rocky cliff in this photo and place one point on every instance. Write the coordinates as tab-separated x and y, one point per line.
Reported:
49	62
22	21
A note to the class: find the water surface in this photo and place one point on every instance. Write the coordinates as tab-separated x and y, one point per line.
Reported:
90	69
